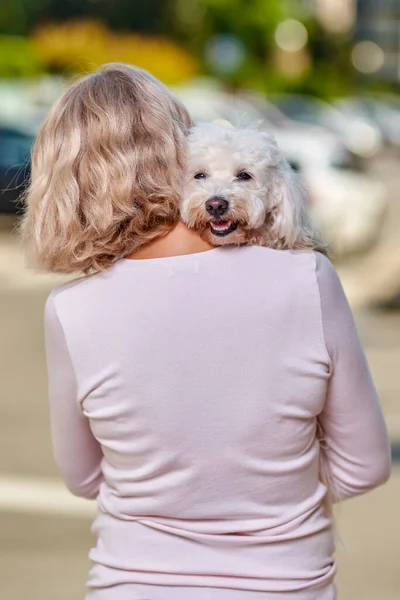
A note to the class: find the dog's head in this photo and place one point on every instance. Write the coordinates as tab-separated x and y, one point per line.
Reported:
240	189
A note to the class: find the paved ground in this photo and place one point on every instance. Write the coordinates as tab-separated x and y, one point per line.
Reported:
45	533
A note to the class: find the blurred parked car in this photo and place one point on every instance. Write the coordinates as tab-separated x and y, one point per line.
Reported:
299	141
347	205
385	116
358	129
15	146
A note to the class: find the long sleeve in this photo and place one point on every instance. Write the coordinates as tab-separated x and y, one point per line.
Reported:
357	442
77	453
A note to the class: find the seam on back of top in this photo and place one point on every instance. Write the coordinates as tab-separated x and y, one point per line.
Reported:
322	339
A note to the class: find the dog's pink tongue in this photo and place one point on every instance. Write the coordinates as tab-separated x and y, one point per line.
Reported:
220	224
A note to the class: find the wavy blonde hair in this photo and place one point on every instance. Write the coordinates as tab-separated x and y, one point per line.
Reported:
107	170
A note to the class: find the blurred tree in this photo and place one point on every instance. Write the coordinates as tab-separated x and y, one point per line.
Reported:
333	73
253	22
235	40
18	58
322	66
21	16
17	17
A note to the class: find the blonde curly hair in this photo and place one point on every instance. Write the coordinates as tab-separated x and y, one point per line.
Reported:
107	171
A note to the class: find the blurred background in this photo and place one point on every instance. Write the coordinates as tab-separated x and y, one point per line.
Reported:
324	77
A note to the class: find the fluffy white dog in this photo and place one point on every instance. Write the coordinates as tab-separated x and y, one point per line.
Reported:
241	190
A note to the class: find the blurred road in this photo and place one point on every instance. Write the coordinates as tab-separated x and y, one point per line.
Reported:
45	533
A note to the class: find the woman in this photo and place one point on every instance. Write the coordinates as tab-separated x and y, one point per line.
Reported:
185	382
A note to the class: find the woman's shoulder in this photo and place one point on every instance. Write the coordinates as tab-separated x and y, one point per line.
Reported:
70	288
292	259
295	270
71	293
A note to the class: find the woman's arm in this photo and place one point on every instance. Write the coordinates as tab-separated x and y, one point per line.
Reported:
357	442
77	453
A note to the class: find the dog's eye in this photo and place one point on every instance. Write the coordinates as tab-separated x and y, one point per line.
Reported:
200	175
243	176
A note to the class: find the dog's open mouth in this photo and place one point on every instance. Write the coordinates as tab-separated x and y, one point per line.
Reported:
221	228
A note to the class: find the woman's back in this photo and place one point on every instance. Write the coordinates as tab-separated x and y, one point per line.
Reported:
202	377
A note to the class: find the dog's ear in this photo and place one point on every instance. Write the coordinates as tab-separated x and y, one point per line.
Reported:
289	224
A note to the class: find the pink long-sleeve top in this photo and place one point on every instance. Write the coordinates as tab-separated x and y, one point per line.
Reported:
184	396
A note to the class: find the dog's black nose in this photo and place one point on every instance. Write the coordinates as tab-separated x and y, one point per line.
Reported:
217	207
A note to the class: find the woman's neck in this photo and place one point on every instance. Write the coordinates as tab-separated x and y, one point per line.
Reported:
180	240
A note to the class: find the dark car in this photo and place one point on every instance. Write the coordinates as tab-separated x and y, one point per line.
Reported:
15	147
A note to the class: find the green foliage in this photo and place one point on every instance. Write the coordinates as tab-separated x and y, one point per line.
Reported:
21	16
326	69
17	57
254	22
18	16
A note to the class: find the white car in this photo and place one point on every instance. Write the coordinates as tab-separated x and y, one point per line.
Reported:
358	131
385	115
347	205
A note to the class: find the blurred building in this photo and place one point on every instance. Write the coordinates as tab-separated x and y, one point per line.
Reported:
376	28
378	21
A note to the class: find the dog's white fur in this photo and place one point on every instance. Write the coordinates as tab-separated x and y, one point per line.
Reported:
269	209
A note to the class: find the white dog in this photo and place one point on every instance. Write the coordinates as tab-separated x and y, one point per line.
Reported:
241	190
